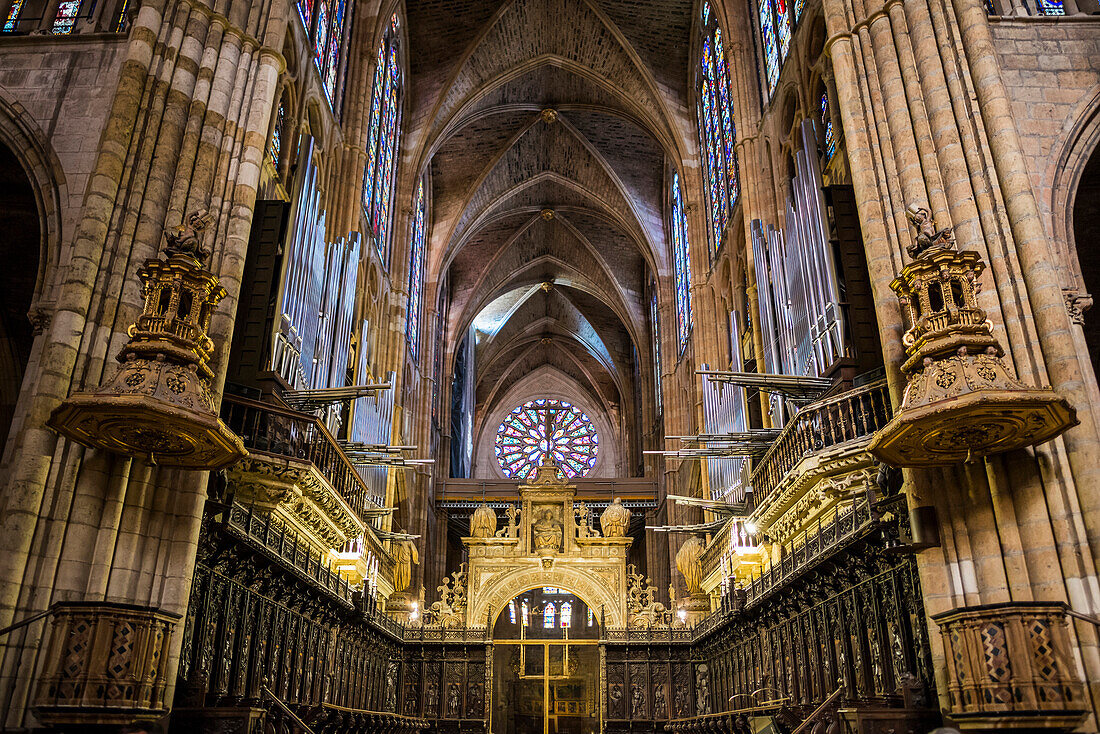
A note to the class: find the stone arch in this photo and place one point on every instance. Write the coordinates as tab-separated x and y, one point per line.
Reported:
548	382
42	166
592	587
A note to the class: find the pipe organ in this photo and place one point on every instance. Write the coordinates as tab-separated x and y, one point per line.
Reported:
799	287
725	412
372	424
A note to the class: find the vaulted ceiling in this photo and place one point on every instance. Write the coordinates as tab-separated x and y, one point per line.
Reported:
547	128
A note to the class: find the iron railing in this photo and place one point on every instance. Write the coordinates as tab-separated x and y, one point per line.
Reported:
841	418
268	429
850	521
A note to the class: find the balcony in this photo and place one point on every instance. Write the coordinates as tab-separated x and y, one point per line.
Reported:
825	439
297	472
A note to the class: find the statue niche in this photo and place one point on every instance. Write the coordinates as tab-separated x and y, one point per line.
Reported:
546	532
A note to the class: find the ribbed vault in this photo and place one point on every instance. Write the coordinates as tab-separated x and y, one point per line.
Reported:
547	144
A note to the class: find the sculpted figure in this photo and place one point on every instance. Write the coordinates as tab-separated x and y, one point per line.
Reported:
511	530
483	523
186	238
546	532
405	555
928	238
689	562
615	519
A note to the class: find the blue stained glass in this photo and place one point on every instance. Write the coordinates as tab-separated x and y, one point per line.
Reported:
729	130
827	126
544	426
706	13
12	20
714	132
374	128
322	32
386	152
783	25
681	262
276	146
590	617
771	53
332	62
524	612
1051	7
305	11
512	611
548	615
65	20
416	274
566	614
655	319
707	127
798	6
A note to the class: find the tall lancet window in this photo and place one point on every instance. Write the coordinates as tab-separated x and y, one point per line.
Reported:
717	132
416	273
328	43
681	262
383	131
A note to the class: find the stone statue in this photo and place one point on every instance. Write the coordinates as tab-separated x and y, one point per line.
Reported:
186	238
641	601
584	530
928	238
689	562
546	532
615	519
483	523
511	530
405	555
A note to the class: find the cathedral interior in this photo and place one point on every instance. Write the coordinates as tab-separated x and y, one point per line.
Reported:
549	366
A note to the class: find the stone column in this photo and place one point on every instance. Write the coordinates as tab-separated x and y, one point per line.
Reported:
1016	528
187	129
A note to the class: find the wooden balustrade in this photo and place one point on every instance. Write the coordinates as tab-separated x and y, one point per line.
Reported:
835	420
269	429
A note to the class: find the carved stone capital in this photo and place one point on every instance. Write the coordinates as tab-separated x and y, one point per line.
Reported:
1076	304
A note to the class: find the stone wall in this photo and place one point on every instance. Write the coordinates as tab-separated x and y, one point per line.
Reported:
63	86
1051	69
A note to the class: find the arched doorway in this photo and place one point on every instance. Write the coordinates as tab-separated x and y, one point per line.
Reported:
546	665
19	253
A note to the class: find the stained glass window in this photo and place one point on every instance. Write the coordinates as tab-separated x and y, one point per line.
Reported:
122	20
655	319
65	19
322	31
512	611
548	613
416	273
681	263
590	617
305	10
827	126
717	132
12	21
276	147
798	6
783	28
382	138
545	426
1051	7
566	614
332	59
524	612
771	50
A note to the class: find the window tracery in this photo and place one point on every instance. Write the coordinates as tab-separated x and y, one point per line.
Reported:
416	273
548	614
65	20
541	427
717	131
383	132
681	263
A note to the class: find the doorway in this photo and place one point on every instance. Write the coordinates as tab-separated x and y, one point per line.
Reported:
546	665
